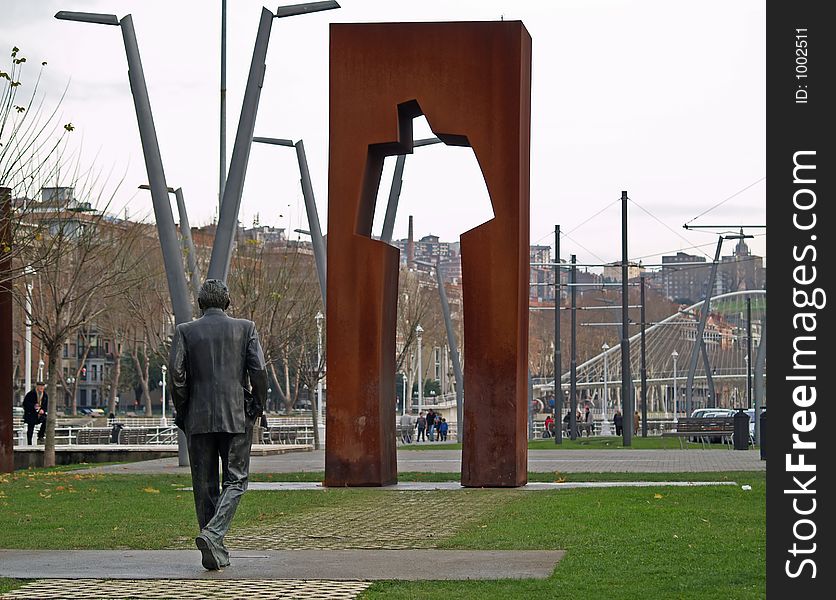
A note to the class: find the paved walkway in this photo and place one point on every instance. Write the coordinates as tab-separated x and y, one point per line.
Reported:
340	565
539	461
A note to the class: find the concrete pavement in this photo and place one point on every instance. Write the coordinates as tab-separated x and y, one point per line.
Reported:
368	565
539	461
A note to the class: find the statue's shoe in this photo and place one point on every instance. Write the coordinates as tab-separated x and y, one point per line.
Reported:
208	558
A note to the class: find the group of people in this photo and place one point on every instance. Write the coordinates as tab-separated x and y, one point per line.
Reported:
618	422
584	423
431	427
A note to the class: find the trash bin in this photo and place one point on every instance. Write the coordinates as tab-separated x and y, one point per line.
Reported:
741	430
763	435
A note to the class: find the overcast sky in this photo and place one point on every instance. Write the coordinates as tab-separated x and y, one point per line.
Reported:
663	99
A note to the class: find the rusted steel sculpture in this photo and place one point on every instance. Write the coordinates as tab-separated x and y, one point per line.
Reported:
472	81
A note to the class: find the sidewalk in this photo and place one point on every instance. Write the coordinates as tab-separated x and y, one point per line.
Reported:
539	461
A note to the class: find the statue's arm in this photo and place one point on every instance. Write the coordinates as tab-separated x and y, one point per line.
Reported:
257	370
179	378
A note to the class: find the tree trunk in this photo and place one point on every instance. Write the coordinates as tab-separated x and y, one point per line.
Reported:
52	406
278	387
117	374
142	373
288	405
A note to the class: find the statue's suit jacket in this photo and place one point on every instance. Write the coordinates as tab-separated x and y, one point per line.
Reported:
214	360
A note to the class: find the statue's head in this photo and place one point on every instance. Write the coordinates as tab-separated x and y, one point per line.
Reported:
213	294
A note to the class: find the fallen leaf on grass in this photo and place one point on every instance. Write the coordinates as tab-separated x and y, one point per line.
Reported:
658	496
42	495
150	490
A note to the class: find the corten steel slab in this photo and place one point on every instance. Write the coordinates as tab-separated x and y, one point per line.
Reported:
472	81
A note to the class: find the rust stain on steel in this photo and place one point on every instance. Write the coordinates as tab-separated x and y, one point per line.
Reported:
472	81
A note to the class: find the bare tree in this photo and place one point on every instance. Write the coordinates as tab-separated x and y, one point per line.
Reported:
84	260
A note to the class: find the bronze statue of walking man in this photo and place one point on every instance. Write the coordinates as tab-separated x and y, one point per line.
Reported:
219	386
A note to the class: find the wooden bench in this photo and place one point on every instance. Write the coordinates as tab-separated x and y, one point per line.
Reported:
703	429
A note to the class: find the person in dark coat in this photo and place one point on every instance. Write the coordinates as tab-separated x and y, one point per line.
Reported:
219	387
35	405
618	421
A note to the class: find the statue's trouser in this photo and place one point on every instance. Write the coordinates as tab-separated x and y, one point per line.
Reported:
215	507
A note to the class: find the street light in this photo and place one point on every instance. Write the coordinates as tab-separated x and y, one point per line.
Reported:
28	271
605	426
319	317
420	332
70	382
674	356
40	370
406	409
163	421
315	231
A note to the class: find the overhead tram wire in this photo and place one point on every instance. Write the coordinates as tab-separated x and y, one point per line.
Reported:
578	226
737	193
666	226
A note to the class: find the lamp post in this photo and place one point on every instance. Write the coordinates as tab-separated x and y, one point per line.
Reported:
674	356
163	421
70	384
420	332
407	409
28	336
319	317
605	425
40	370
318	242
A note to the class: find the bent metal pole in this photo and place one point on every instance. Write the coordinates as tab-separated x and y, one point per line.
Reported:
231	203
175	273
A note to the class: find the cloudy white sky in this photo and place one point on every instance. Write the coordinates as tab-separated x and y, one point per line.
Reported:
663	99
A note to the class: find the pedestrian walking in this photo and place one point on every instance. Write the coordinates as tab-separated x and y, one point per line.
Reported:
618	421
422	426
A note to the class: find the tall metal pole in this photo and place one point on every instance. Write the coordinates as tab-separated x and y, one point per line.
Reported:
222	170
760	364
28	338
454	355
394	196
172	260
626	379
573	374
698	341
234	187
188	243
605	423
643	362
319	422
320	256
674	355
749	352
420	331
558	367
163	421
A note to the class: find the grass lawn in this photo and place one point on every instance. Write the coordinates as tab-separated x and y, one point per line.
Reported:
655	542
